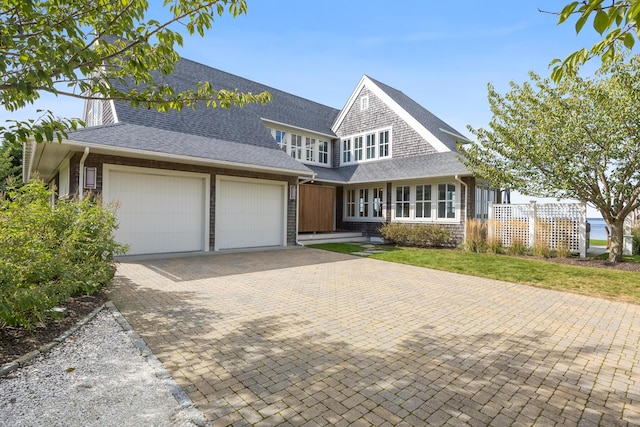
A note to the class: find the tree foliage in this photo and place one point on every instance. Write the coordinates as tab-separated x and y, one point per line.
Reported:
615	20
577	139
10	164
88	49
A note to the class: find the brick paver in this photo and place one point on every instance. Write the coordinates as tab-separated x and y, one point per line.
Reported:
305	337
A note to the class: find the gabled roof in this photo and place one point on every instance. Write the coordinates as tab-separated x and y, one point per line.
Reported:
438	133
234	124
405	168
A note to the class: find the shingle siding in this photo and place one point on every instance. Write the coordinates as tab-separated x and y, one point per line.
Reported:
405	141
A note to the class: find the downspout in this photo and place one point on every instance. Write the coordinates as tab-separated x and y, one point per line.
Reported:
466	206
81	174
300	181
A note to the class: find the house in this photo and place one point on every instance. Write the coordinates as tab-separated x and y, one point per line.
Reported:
263	175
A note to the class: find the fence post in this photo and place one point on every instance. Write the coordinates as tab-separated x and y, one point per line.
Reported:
582	235
532	223
490	216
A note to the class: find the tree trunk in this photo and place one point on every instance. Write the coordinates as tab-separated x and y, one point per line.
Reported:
617	236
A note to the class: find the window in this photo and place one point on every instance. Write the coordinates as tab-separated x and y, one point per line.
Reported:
357	148
383	142
446	201
371	146
364	103
423	201
403	201
484	196
378	202
346	151
351	203
323	152
310	149
296	146
367	146
363	203
281	139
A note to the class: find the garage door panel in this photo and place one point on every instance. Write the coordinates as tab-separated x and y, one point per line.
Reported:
159	213
249	214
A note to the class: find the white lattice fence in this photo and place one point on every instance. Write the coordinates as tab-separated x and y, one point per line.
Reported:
555	225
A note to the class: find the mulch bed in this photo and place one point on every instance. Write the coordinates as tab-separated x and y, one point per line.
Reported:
16	342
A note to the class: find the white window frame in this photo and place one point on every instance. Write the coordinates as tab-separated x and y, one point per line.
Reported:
364	103
424	204
435	201
323	152
369	148
296	146
484	196
310	148
449	203
362	205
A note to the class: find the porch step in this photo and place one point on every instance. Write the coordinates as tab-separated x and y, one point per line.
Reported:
337	237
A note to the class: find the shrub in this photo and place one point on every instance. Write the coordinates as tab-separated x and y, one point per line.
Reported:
635	232
418	235
50	254
517	247
476	238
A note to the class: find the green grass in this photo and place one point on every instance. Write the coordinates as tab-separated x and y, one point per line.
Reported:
598	242
602	282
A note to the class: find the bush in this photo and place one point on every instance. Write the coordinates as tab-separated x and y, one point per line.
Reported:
50	254
418	235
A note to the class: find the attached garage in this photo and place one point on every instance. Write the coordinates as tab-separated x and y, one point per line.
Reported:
160	211
249	213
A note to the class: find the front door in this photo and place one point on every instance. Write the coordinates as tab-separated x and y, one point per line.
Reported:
317	208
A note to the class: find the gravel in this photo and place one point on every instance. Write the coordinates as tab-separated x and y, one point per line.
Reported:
103	374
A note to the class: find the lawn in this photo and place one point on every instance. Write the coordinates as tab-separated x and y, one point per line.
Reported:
593	281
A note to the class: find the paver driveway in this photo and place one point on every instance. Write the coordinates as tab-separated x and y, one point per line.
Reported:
307	337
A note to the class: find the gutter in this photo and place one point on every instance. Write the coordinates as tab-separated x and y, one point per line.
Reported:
81	174
466	205
300	181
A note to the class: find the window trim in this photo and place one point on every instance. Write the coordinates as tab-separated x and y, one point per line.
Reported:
434	218
352	201
353	158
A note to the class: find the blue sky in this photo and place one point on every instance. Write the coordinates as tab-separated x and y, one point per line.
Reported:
441	54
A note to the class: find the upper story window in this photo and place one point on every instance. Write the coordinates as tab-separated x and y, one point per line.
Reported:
367	146
296	146
364	103
323	152
346	150
357	149
303	147
94	113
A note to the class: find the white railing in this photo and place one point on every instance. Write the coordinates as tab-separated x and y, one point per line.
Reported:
556	225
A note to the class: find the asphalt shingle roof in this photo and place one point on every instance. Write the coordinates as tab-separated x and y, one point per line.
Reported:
233	124
434	124
424	166
157	140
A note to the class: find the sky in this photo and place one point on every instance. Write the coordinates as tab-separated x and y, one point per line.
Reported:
441	54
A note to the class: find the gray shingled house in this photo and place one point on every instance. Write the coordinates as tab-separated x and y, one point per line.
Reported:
263	176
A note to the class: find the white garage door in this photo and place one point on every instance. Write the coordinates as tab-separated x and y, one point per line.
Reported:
249	213
160	211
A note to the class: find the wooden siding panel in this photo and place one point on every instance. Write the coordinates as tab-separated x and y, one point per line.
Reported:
316	208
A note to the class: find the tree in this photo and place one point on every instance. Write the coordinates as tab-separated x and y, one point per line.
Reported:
91	49
615	20
10	165
576	139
